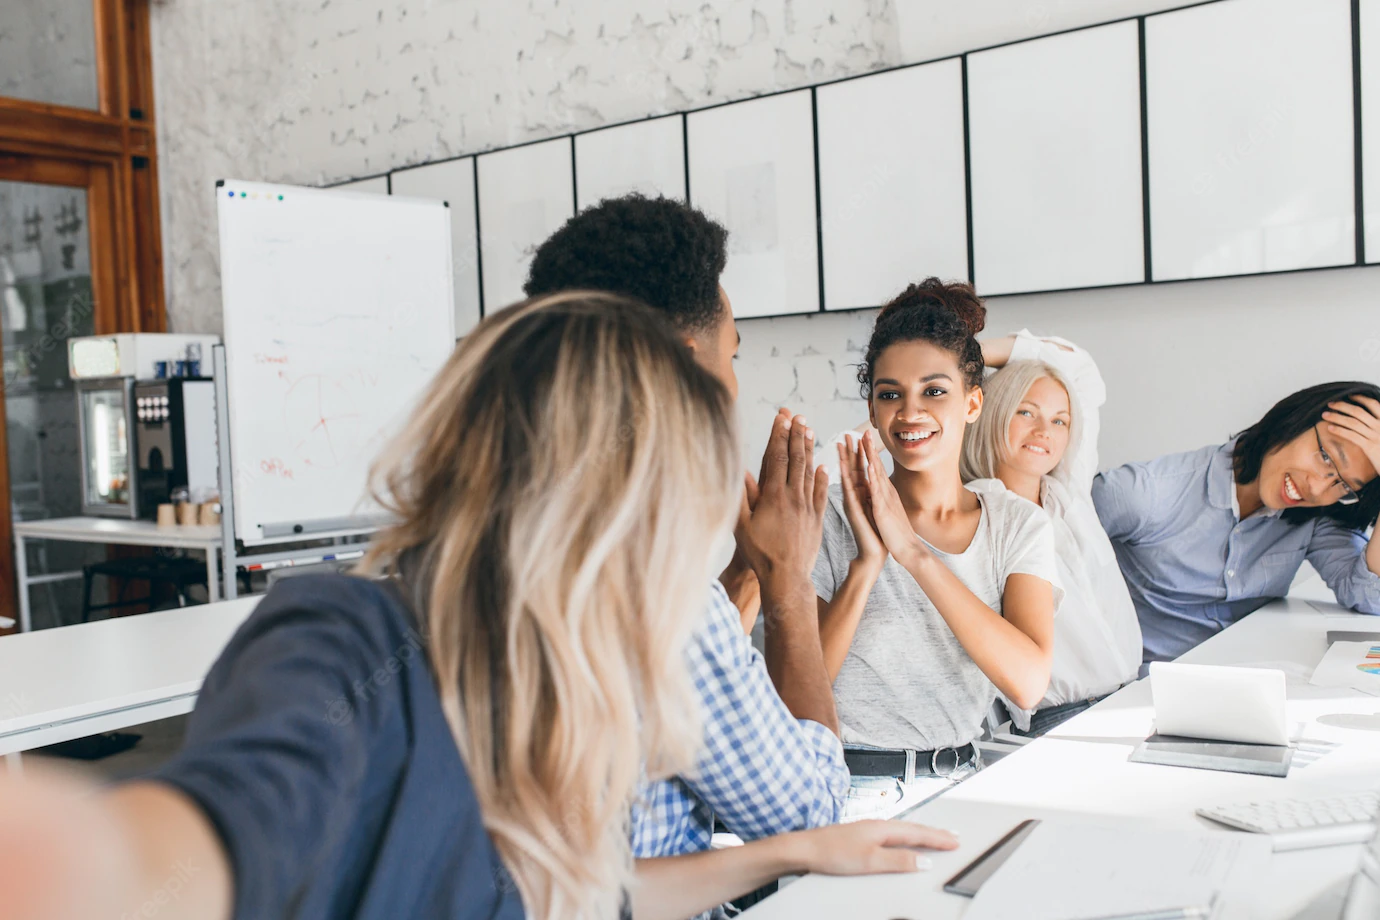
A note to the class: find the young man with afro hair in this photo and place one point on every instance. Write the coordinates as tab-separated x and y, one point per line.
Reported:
772	761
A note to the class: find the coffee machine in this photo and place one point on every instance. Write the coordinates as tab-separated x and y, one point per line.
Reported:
144	430
174	440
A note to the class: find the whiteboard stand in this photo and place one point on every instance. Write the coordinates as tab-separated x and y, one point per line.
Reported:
227	497
231	555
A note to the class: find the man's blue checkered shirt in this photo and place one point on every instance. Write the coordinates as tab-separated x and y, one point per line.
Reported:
761	770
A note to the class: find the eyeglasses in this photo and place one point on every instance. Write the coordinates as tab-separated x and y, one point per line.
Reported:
1349	496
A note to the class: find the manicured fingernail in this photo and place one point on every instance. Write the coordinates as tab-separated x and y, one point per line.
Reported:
923	863
810	434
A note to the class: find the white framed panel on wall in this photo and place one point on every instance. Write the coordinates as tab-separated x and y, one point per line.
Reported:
376	185
1370	125
752	167
525	194
453	183
891	182
1055	157
645	156
1251	138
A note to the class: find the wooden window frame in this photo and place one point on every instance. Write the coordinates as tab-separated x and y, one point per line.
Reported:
117	143
112	153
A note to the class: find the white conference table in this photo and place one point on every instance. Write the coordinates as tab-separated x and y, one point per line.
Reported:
118	532
73	681
59	684
1081	771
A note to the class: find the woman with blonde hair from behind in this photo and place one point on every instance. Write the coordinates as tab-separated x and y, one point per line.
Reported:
458	730
1038	438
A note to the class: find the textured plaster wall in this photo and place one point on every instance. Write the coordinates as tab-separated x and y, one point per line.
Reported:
311	91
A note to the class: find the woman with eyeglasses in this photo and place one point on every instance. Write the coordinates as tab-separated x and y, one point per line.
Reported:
1208	536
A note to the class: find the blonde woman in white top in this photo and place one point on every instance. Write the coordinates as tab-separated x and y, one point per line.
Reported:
1037	437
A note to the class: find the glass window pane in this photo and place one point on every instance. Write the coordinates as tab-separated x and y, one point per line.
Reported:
45	297
48	52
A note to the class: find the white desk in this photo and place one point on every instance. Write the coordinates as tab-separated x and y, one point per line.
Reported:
109	531
1081	770
73	681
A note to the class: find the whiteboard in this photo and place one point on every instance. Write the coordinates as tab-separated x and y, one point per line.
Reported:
1370	124
1252	164
525	194
338	311
376	185
752	168
1054	134
645	156
452	182
891	182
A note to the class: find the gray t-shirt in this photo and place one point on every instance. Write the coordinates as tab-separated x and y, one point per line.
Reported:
907	682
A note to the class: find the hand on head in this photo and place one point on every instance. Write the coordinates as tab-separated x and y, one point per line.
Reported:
1357	421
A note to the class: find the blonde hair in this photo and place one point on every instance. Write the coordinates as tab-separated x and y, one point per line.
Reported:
986	443
558	495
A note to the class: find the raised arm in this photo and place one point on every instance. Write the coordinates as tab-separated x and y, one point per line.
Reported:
74	853
269	770
1015	651
783	535
840	614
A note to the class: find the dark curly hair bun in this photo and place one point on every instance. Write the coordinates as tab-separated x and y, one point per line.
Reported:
658	250
949	315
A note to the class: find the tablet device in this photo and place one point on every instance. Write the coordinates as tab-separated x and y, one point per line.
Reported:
972	876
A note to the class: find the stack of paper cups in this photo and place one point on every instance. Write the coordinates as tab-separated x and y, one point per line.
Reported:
167	516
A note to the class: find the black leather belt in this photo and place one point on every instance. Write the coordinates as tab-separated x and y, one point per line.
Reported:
906	765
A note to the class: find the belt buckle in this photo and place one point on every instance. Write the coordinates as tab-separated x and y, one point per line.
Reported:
934	761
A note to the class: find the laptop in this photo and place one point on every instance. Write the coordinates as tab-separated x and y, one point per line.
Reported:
1358	898
1217	703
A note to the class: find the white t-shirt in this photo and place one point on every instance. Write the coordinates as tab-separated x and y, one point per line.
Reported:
907	683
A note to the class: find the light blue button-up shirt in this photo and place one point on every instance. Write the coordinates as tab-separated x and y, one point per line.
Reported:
1194	566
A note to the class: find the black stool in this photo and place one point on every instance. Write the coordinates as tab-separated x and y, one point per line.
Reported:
178	571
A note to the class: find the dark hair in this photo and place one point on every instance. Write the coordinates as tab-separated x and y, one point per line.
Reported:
948	315
1287	419
660	251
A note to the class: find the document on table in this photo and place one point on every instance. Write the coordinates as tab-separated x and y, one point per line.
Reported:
1350	664
1073	870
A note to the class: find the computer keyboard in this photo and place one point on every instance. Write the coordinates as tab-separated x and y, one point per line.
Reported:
1297	824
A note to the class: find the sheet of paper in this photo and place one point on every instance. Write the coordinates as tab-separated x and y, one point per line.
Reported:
1072	870
1350	664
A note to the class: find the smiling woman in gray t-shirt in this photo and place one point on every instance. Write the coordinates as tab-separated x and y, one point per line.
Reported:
907	682
932	598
